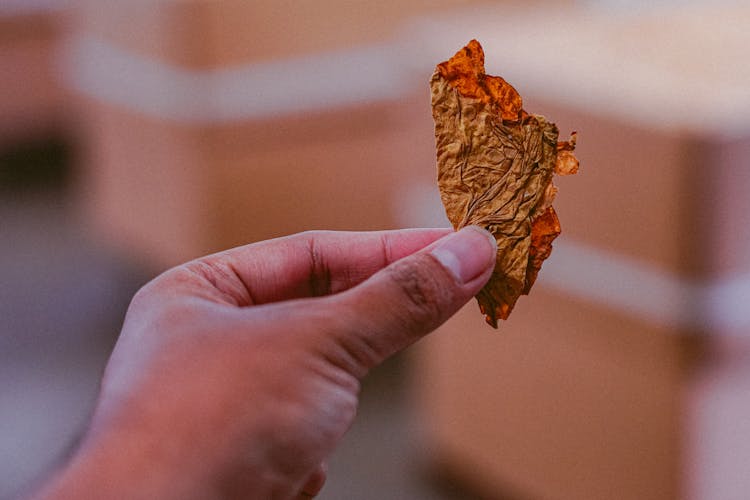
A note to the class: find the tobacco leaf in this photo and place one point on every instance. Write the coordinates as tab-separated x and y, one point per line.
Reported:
495	166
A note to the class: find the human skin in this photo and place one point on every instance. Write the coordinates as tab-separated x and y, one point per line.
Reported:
236	374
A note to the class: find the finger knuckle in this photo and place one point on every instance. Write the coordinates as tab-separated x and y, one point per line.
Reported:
423	286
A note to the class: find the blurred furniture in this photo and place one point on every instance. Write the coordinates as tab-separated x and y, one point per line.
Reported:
624	374
32	99
210	124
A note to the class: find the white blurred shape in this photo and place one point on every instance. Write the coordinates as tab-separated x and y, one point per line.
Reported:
253	91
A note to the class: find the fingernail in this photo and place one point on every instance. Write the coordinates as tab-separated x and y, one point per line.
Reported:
466	253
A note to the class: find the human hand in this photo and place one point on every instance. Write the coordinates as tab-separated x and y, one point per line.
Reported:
236	375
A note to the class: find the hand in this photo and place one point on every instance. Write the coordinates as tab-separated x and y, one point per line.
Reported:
236	375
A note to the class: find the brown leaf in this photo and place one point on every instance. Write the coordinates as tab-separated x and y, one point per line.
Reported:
495	168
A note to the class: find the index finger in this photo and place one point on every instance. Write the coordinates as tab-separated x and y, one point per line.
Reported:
314	263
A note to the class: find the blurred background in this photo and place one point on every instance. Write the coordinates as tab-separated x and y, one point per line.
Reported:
137	135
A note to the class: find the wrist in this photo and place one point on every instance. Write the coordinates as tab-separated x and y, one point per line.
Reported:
121	465
129	463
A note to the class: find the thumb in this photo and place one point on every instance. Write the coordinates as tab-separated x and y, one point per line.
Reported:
414	295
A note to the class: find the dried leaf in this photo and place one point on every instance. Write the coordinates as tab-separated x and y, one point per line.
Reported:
495	168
